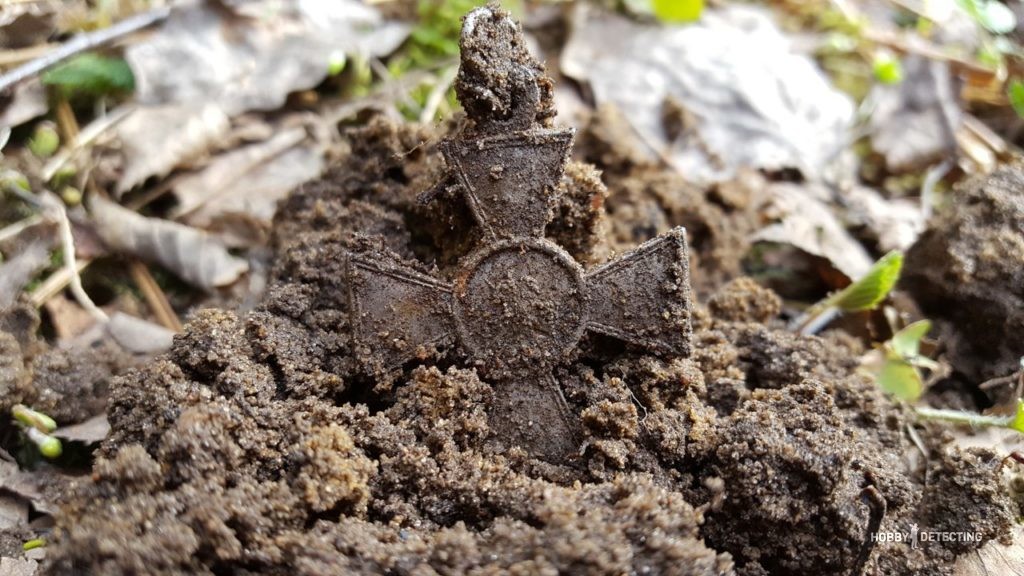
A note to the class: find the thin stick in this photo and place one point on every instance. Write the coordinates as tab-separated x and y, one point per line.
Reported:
17	56
56	282
56	207
437	94
155	297
86	136
18	227
82	43
877	505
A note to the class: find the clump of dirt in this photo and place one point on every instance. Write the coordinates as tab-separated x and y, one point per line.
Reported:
964	271
258	445
69	384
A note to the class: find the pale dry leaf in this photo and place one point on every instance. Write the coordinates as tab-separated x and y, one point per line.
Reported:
27	102
895	223
18	567
94	429
806	221
192	254
994	558
915	122
254	62
138	335
13	512
19	270
219	177
747	99
27	24
254	195
157	139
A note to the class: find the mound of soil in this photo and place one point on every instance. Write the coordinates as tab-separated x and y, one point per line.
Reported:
965	271
258	446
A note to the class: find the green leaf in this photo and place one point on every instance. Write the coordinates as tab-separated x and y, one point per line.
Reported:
887	68
899	378
907	342
678	10
1016	94
873	287
1017	422
91	75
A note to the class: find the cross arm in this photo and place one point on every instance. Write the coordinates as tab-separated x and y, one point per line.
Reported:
643	297
397	314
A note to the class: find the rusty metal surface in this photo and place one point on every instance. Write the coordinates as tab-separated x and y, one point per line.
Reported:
519	304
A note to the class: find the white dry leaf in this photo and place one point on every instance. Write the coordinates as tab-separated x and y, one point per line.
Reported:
895	223
192	254
18	566
19	270
203	54
748	98
93	430
994	558
139	336
27	102
225	175
807	222
157	139
915	122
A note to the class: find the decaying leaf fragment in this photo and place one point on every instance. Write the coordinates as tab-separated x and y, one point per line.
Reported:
192	254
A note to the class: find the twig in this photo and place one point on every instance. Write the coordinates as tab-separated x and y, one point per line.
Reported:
18	227
437	94
56	208
56	282
17	56
90	133
155	297
82	43
67	124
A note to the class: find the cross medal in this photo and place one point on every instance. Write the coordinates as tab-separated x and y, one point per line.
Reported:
518	305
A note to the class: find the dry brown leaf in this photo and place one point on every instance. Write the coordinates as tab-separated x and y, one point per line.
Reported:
219	179
17	271
253	62
748	98
28	23
28	102
155	140
92	430
192	254
806	221
138	335
895	223
915	122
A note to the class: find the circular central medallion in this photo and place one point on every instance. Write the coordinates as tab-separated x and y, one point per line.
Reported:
520	302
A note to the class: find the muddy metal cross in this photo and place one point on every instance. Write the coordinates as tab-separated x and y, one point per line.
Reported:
519	305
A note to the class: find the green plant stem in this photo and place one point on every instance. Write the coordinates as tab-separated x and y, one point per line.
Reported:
961	417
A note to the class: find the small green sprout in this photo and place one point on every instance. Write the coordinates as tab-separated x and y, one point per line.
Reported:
677	11
1014	421
49	446
900	373
1015	92
33	419
44	141
33	544
865	294
887	68
336	62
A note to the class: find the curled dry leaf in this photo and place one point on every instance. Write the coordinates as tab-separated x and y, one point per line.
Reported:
192	254
915	121
739	93
17	271
246	180
157	139
94	429
138	335
806	221
27	102
253	62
